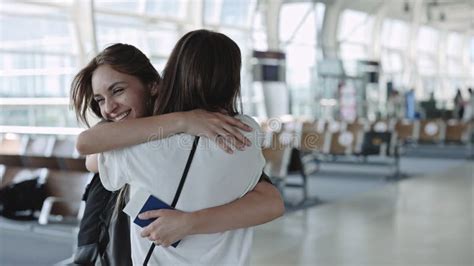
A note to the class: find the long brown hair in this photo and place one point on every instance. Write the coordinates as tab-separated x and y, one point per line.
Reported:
203	71
121	57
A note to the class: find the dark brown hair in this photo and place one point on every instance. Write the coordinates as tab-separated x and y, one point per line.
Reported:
123	58
203	71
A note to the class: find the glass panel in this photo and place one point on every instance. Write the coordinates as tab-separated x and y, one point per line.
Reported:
427	39
235	13
259	34
455	44
212	9
392	62
167	8
113	29
45	116
292	14
25	9
162	41
395	34
298	38
50	34
426	65
151	39
355	26
351	51
454	67
472	50
228	12
122	5
38	58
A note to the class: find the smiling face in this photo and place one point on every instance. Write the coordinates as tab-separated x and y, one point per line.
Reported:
119	96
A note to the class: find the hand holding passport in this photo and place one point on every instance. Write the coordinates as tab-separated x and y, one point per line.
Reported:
141	202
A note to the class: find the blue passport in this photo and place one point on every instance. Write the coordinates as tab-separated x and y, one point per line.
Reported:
148	203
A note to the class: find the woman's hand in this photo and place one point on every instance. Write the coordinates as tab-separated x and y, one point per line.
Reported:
220	128
169	227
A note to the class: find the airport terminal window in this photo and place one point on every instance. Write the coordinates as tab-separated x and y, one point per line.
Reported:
228	12
427	60
156	40
113	28
427	39
355	26
426	65
235	12
392	61
472	59
394	44
455	68
352	51
454	52
36	64
455	44
302	52
354	36
167	8
259	34
123	6
51	116
471	49
395	34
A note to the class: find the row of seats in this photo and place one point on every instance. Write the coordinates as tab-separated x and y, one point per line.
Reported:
425	130
292	144
290	141
433	131
55	162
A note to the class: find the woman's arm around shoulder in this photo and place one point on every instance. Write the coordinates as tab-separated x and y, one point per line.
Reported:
114	135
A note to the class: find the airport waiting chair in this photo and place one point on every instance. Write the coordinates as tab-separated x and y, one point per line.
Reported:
342	143
311	144
355	126
67	156
42	146
457	132
380	126
431	131
277	156
405	131
357	129
377	143
38	151
64	191
65	147
312	139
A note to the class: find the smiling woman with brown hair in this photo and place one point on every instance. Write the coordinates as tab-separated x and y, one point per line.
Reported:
212	63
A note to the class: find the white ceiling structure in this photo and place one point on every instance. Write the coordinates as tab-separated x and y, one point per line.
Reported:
452	15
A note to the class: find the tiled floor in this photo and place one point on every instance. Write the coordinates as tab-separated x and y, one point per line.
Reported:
419	221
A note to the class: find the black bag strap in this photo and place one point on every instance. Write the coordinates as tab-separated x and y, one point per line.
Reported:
185	173
178	191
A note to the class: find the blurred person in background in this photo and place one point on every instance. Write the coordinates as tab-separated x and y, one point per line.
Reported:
458	111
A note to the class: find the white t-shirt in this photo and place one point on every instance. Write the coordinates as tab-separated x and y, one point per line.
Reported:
214	178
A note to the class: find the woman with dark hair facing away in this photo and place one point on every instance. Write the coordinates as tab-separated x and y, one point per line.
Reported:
260	205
